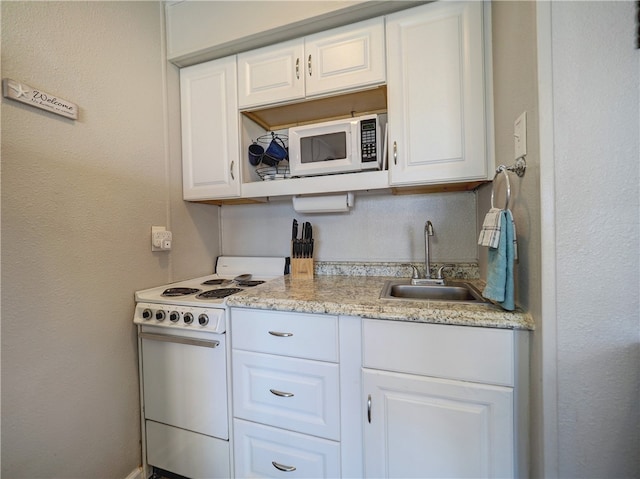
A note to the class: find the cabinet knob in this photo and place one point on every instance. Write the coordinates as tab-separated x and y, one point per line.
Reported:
297	69
395	152
309	65
369	408
231	169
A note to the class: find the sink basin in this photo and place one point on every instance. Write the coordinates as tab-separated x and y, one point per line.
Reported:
457	292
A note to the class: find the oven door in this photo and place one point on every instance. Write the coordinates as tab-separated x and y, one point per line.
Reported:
185	380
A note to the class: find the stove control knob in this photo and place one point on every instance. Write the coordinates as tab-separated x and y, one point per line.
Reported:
174	316
188	318
203	319
146	314
160	315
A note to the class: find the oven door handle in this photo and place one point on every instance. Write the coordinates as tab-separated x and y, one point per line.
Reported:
180	340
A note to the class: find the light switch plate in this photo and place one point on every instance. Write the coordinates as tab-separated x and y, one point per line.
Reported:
520	136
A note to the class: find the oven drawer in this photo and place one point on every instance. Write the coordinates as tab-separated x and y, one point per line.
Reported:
263	451
309	336
295	394
186	453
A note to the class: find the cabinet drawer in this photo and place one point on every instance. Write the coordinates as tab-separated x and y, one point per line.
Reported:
295	394
455	352
263	451
310	336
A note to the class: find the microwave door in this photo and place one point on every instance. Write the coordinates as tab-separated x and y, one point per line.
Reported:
323	150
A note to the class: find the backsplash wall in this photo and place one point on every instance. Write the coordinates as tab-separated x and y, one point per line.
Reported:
380	227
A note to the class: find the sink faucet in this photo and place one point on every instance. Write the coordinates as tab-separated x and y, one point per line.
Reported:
415	278
428	231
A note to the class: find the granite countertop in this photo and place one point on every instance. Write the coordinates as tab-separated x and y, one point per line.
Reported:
359	296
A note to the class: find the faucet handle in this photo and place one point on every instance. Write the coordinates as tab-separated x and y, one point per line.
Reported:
415	274
441	269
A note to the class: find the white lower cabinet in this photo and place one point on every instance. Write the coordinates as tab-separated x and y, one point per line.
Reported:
332	396
295	404
264	451
427	427
423	421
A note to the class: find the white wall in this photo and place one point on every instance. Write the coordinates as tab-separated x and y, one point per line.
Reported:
378	228
595	183
78	202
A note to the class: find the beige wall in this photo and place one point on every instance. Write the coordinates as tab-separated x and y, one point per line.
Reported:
78	201
515	90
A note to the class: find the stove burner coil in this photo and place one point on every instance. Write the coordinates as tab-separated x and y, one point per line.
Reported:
247	284
218	293
171	292
216	282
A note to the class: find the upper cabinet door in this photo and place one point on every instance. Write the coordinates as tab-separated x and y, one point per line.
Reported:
348	57
436	93
271	74
210	136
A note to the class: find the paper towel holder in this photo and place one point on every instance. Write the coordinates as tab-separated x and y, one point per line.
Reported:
337	203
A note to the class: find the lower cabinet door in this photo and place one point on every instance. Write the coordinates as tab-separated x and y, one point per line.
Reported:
264	451
424	427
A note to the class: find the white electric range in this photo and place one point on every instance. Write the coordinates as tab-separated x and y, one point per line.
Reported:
184	366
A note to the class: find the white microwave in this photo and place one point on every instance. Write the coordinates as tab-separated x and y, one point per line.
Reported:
338	146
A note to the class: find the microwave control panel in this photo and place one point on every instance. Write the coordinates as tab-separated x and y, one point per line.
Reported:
368	141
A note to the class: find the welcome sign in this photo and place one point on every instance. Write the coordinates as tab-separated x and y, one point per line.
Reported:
39	99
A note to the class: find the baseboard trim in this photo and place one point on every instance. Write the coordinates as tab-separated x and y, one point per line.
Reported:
135	474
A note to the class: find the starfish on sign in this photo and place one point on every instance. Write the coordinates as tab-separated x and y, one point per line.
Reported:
21	91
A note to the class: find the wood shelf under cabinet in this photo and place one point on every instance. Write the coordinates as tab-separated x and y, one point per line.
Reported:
373	100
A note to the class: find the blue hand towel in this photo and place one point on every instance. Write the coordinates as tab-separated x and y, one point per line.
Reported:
500	286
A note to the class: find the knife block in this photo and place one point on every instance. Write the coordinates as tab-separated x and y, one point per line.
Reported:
302	268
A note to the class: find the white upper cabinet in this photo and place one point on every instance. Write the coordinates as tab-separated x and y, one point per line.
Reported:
344	58
341	59
269	74
437	94
210	133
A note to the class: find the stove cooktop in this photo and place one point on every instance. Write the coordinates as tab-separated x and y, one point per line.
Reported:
211	290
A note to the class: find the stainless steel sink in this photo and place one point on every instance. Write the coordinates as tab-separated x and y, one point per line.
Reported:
457	292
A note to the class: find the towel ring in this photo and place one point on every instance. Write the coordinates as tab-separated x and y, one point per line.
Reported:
501	169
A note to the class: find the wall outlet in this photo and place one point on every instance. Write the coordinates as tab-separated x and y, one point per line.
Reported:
160	238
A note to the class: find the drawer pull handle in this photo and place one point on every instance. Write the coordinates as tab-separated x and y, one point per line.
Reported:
369	408
282	467
281	393
280	335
